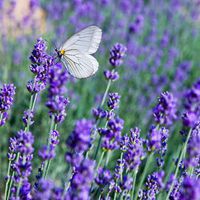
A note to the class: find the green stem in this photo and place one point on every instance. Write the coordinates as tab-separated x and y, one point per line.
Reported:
97	123
98	146
53	126
8	180
134	180
107	157
105	93
115	196
100	160
181	157
143	174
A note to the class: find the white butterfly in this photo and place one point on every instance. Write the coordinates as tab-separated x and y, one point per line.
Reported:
76	52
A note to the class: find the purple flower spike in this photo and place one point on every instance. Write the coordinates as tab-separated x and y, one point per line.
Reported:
116	54
190	189
165	111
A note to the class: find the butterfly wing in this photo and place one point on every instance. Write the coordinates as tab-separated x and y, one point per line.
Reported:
86	41
80	65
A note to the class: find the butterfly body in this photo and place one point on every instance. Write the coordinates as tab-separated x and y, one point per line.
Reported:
76	52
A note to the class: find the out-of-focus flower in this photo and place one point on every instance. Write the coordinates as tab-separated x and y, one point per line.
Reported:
79	140
7	93
190	189
192	106
193	150
81	181
116	54
137	25
57	102
166	109
104	177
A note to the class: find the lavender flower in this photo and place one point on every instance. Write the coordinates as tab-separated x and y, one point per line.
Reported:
22	166
104	177
153	185
113	101
116	54
134	152
193	151
112	134
79	140
165	111
111	75
190	189
157	139
28	117
56	101
44	190
175	194
48	152
192	98
41	62
81	181
7	93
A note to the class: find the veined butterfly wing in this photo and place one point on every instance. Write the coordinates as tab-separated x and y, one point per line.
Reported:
78	48
86	41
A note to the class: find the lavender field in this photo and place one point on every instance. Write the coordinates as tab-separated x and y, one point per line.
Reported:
129	132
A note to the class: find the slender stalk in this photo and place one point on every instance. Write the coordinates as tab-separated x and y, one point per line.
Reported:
115	196
8	178
47	164
97	123
105	93
107	157
98	146
100	160
134	180
181	157
143	174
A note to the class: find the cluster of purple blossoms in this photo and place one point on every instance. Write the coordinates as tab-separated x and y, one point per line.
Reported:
190	189
175	194
153	185
116	54
133	149
79	141
22	166
120	182
193	150
48	152
112	104
41	63
81	181
157	138
112	133
7	93
116	59
166	109
137	25
104	177
47	190
113	101
57	102
192	106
